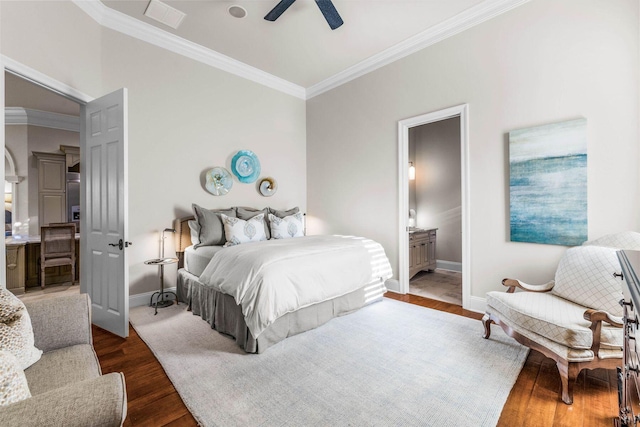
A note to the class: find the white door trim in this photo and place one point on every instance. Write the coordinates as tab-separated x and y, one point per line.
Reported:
403	179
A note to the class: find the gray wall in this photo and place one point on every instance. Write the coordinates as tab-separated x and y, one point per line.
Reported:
438	184
184	118
543	62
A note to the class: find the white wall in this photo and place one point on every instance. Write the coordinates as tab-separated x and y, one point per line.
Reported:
543	62
438	184
184	118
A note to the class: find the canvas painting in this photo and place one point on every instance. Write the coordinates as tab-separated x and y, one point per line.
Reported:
548	183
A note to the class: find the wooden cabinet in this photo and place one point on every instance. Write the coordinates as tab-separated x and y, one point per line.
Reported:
422	251
52	181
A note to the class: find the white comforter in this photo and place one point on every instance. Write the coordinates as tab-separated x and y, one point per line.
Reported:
272	278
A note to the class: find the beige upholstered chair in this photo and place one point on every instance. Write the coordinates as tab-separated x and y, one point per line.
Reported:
57	248
576	319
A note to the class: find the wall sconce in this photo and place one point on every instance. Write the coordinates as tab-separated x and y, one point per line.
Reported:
412	171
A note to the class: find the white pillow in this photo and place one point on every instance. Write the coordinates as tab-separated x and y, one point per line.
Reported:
194	228
16	333
287	227
13	383
239	231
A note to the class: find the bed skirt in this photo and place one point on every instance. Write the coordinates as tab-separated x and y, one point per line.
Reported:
225	316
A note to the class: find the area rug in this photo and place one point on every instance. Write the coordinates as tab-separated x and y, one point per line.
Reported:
388	364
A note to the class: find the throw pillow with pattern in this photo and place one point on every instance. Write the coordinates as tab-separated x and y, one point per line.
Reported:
239	231
287	227
13	383
16	333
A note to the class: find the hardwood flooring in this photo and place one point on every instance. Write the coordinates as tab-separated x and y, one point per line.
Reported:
533	401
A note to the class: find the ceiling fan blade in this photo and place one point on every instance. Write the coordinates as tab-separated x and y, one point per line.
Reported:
330	13
278	10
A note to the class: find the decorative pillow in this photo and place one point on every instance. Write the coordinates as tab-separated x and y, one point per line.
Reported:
627	240
16	334
248	213
585	276
241	231
13	383
282	214
287	227
194	228
211	228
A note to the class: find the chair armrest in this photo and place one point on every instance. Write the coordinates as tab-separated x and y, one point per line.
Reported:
60	322
512	284
100	401
601	316
596	317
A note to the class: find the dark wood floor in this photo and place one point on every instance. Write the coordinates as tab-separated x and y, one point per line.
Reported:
533	401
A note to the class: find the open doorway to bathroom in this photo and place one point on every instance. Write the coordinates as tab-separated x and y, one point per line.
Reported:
435	211
434	237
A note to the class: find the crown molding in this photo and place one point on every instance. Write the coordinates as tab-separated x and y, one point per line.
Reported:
132	27
125	24
27	116
457	24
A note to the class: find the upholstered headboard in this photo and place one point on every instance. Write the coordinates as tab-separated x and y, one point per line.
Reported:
182	237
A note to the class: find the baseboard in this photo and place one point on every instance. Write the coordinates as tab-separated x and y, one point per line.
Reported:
449	265
477	304
138	300
392	285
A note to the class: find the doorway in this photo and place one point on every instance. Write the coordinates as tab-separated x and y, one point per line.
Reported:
436	215
42	150
435	220
104	174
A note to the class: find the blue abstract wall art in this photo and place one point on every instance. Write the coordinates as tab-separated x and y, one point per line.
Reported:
548	183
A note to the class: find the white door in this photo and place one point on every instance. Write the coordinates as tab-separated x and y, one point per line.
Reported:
104	231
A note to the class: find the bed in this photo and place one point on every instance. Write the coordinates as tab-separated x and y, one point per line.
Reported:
219	284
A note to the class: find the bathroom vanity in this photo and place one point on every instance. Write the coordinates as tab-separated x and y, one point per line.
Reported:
422	250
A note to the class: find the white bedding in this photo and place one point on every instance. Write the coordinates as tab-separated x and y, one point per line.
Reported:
272	278
197	259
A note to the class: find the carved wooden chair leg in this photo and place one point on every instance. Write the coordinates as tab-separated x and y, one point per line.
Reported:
568	375
486	322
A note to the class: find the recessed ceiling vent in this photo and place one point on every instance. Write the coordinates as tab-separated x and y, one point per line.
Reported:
164	13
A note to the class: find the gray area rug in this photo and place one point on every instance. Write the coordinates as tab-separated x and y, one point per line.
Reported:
388	364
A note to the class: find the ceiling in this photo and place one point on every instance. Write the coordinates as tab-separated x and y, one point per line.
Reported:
300	47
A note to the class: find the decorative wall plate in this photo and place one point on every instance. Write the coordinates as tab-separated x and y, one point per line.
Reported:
268	186
219	181
245	166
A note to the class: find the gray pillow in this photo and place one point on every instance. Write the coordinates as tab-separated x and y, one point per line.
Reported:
211	228
282	214
247	213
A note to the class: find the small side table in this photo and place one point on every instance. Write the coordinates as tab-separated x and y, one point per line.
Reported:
159	296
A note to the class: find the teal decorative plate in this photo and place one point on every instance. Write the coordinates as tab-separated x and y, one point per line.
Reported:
245	166
219	181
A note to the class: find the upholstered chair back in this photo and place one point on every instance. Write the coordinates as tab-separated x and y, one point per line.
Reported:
585	276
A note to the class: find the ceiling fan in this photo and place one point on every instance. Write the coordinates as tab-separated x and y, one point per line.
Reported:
326	7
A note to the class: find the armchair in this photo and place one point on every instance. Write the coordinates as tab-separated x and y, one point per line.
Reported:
576	319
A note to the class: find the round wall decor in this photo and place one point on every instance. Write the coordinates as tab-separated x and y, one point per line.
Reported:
268	186
245	166
219	181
